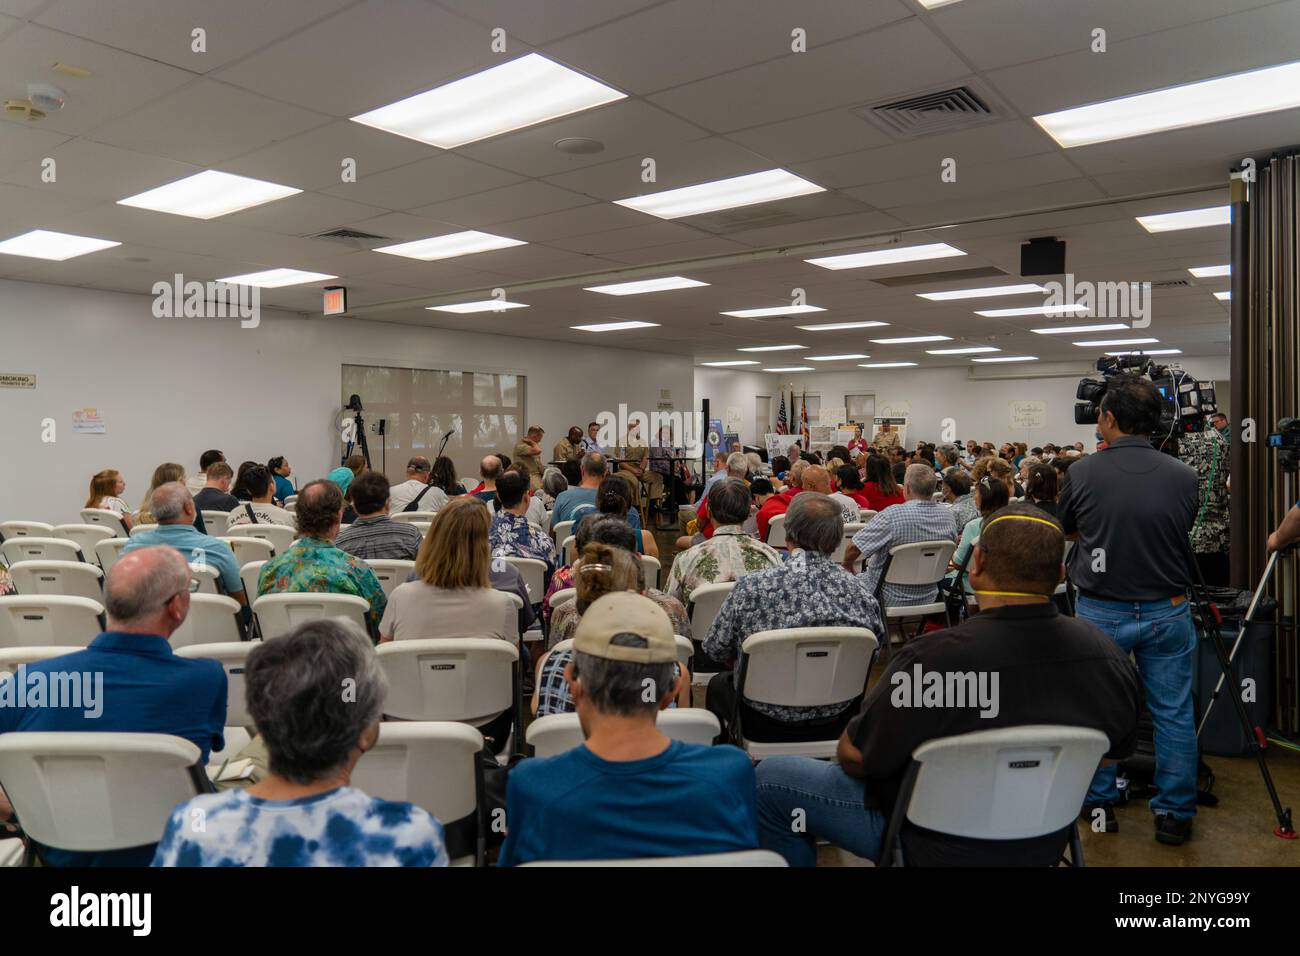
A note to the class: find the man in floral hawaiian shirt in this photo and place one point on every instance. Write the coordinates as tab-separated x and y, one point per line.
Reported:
730	553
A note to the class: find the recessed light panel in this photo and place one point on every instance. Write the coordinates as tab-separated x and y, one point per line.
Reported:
450	246
888	256
771	348
968	350
774	310
1187	219
910	339
837	326
887	365
55	246
955	294
614	326
209	194
277	278
483	305
767	186
642	286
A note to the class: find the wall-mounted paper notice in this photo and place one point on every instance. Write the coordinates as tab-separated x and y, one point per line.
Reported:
88	421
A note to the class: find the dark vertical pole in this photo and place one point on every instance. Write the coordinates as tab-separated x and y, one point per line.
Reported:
704	443
1241	359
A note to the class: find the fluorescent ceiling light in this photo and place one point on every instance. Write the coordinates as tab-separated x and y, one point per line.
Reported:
775	310
1223	296
834	326
56	246
886	365
767	186
909	339
642	286
1211	272
1188	219
791	368
1072	329
449	246
728	364
936	4
614	326
1191	104
483	305
1076	309
277	278
837	358
771	348
1104	342
887	257
1009	358
1150	352
969	350
1021	289
524	92
208	194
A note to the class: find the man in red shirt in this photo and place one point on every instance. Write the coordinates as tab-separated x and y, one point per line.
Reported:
808	478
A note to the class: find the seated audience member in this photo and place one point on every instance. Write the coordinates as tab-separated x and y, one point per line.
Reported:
1052	669
1022	469
417	488
342	477
357	464
535	512
780	465
809	590
972	451
145	687
512	534
946	456
304	812
729	554
603	570
629	791
569	448
215	495
778	504
554	484
850	497
374	534
880	487
206	461
106	490
957	492
1041	487
260	508
443	476
613	498
1021	453
582	497
313	563
635	467
489	470
990	496
281	472
919	518
735	466
989	465
601	529
167	472
760	490
173	509
240	489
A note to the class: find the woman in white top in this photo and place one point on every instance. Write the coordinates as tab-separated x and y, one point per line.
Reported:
105	492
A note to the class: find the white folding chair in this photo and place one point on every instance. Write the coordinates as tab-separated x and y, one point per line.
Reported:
97	791
73	578
569	549
108	551
562	530
291	506
850	529
249	574
216	522
434	765
922	563
472	680
652	569
235	739
558	733
30	548
422	525
866	514
248	550
801	667
776	532
278	614
390	572
1013	783
414	517
84	536
109	519
141	529
280	536
29	529
563	596
50	620
12	658
212	619
203	579
737	858
706	602
233	657
291	500
533	571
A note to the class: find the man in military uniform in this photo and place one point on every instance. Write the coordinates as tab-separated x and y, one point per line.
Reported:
887	438
569	448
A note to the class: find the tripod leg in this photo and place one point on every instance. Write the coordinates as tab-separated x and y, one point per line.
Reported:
1241	633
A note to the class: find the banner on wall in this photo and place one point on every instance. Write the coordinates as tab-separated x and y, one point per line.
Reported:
713	438
1028	414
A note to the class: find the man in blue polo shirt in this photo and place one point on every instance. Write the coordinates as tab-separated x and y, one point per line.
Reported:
135	683
173	507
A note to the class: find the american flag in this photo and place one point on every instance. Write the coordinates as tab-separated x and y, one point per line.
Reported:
781	427
803	418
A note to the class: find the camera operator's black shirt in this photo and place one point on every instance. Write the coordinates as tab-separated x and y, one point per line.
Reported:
1138	505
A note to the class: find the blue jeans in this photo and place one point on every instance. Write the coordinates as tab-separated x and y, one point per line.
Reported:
832	807
1162	638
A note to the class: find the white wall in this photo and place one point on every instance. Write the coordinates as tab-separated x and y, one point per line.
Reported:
170	388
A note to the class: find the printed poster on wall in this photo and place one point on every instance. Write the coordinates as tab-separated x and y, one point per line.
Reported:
88	421
1028	414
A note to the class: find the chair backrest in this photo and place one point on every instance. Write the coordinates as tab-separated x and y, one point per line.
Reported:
278	614
409	517
31	548
745	858
467	679
279	535
850	529
925	562
292	506
84	536
563	596
390	572
249	573
1005	784
422	525
108	551
561	530
652	568
203	579
776	531
49	620
94	791
74	578
866	514
141	529
28	529
706	601
233	659
558	733
291	500
212	619
216	522
806	666
109	519
432	764
533	571
11	658
248	550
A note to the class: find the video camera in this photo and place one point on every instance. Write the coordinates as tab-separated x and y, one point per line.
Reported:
1185	405
1287	442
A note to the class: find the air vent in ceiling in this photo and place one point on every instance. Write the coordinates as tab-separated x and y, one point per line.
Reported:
929	278
938	112
352	237
1172	284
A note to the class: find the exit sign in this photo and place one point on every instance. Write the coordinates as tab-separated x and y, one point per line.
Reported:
336	300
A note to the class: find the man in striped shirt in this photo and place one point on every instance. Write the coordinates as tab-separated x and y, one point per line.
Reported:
374	534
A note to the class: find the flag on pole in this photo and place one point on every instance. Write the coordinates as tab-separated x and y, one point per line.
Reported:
781	427
803	421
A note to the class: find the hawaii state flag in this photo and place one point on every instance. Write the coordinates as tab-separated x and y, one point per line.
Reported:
803	420
781	427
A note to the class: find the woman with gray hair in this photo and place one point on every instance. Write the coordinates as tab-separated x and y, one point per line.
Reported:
316	697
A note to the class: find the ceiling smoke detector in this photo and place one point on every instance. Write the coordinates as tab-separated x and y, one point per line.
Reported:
579	145
46	97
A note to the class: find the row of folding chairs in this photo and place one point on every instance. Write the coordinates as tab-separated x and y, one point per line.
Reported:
776	530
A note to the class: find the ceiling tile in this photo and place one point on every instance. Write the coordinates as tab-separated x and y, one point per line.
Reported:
417	184
530	198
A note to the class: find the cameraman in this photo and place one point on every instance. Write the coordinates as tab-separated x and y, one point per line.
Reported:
1288	532
1130	508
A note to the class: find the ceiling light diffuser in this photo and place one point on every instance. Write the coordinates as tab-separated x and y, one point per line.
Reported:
55	246
614	326
887	365
767	186
837	358
791	368
1211	272
1187	219
775	310
641	286
836	326
969	350
277	278
208	194
1073	329
909	339
1008	358
955	294
728	364
771	348
449	246
1076	309
482	305
1099	343
887	256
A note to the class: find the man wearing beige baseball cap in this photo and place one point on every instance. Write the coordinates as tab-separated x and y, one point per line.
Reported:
628	792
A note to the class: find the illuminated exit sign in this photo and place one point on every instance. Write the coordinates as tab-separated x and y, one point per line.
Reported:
336	300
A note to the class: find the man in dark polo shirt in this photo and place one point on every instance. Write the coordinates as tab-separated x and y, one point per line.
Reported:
1131	509
1041	668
